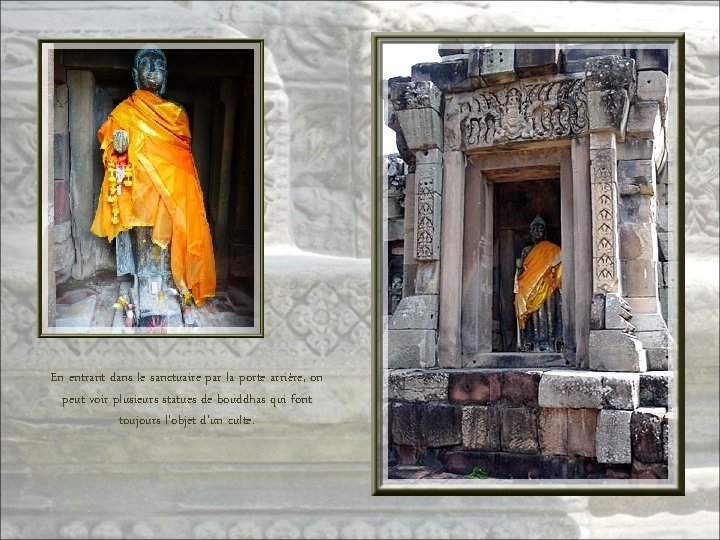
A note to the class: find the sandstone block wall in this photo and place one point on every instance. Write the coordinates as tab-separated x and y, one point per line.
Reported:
529	423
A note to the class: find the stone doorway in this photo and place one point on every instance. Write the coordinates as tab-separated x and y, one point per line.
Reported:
515	205
504	190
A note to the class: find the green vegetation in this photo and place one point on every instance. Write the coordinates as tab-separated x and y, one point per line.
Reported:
478	473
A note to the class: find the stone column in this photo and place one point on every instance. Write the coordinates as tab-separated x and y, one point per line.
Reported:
228	95
81	91
416	118
610	81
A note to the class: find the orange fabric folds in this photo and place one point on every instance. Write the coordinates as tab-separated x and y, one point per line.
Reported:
161	188
540	277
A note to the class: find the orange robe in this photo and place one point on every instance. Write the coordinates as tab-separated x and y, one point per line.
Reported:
161	188
541	276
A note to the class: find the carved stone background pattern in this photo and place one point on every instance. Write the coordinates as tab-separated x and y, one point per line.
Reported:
74	478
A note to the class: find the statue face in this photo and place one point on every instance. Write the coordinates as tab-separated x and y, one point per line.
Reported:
150	73
537	231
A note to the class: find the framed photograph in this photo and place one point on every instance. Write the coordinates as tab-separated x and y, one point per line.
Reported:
151	188
527	267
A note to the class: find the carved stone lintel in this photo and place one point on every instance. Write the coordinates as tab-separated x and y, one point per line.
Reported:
516	112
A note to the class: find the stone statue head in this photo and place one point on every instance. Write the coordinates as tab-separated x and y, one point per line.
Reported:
150	70
538	229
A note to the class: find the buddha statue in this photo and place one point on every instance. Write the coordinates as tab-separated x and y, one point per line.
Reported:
151	189
538	282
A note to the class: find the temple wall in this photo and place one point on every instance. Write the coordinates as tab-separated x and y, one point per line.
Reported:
523	423
307	475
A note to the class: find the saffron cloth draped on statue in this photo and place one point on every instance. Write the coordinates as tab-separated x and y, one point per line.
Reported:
540	277
155	184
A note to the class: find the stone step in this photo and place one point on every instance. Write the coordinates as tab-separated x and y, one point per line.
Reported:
516	360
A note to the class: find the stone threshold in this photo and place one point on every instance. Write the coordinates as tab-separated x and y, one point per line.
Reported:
515	360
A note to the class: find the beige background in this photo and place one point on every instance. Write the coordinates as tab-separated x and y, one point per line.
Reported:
304	472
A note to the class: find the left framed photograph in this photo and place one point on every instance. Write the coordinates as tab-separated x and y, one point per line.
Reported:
150	210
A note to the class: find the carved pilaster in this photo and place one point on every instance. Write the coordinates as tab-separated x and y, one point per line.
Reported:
428	175
611	345
606	257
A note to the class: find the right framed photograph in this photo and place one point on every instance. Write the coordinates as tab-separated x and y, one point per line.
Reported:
528	323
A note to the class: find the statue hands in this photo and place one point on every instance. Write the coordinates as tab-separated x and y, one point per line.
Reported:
120	141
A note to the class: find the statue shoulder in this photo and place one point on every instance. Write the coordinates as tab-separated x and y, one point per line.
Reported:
182	115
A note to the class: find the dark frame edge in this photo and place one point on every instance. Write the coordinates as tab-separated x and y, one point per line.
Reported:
678	489
260	191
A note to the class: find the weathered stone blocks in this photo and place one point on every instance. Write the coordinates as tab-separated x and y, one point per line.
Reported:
574	389
497	464
597	312
613	442
650	59
481	428
519	430
638	173
608	110
633	148
418	385
668	430
655	388
637	241
614	350
425	424
575	58
644	120
427	277
482	387
609	72
448	76
520	388
610	81
640	277
621	390
581	432
492	65
553	430
617	312
653	86
647	439
411	348
415	312
648	471
417	106
537	62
